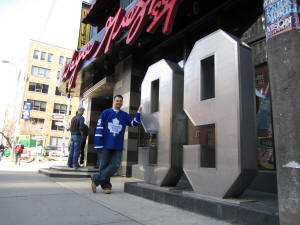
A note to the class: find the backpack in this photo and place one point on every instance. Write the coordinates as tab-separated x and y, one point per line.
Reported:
19	148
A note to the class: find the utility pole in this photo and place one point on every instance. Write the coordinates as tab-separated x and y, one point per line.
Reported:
283	39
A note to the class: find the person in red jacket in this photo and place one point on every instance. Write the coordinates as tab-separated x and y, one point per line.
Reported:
19	151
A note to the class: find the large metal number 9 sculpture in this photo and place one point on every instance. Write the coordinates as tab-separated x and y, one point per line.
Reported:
163	117
219	100
226	103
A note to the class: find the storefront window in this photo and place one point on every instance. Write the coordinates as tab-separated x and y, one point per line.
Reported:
255	37
57	142
266	155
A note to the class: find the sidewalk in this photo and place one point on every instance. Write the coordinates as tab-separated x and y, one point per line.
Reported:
7	165
41	200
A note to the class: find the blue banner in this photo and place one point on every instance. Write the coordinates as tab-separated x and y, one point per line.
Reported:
26	111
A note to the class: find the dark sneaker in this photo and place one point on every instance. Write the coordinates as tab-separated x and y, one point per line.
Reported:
107	191
77	167
70	166
93	185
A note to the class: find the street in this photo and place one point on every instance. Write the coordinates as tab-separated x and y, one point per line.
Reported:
29	198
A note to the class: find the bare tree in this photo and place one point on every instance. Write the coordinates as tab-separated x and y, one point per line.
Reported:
9	126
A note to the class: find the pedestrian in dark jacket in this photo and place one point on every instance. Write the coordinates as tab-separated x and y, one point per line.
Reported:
83	142
1	150
76	129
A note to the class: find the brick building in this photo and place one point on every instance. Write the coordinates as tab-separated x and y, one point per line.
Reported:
48	104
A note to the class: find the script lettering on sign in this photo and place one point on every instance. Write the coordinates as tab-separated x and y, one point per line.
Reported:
78	58
162	12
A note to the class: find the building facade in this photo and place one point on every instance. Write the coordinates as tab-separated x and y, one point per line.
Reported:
48	106
122	70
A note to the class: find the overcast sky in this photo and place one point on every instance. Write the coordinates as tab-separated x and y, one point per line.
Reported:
21	20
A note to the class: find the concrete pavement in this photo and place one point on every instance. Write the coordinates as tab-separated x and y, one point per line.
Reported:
29	198
7	165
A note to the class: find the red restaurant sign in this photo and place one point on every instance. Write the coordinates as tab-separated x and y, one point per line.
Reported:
161	12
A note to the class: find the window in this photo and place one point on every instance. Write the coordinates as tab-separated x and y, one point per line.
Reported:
57	142
36	54
61	108
43	56
68	60
37	87
37	121
57	125
58	75
50	56
40	72
61	60
58	93
37	105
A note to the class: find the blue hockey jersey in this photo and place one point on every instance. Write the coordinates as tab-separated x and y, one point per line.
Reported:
111	128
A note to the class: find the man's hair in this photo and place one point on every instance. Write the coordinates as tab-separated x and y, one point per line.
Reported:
118	96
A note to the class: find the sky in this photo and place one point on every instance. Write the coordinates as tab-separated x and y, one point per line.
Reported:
22	20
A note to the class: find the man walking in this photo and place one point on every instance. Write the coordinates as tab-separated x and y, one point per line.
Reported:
77	127
19	151
109	140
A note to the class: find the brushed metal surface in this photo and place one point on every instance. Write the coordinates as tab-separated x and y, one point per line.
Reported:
232	110
169	123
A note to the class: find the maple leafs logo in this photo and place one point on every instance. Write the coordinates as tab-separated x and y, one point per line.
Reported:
115	127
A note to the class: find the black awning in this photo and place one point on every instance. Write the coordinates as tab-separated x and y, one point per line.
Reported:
100	11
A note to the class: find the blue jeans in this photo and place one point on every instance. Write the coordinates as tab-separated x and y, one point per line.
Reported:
109	163
74	150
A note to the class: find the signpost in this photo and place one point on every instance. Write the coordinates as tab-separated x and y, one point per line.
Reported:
65	124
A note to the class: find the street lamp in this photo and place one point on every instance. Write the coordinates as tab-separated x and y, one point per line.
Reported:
15	65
